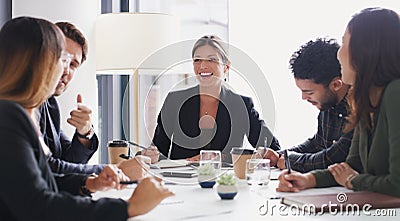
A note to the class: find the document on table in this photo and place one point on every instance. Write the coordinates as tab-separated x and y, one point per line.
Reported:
189	210
167	163
275	172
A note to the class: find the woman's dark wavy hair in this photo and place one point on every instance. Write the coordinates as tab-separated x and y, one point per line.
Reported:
374	50
317	61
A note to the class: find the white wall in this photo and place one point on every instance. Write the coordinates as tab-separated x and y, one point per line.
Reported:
83	14
270	31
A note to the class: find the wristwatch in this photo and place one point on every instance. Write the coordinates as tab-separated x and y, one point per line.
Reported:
88	135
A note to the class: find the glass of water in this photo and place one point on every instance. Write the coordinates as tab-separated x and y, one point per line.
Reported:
211	158
258	172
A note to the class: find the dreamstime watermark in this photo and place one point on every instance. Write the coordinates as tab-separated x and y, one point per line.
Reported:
340	207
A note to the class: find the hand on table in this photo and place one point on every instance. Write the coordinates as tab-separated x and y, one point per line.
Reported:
194	158
153	153
342	172
281	162
148	194
109	178
135	168
270	154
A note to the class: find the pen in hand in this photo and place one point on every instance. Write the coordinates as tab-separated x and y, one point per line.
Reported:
137	182
127	157
124	156
287	161
138	145
128	182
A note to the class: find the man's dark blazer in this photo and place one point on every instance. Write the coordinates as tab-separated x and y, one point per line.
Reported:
236	117
67	156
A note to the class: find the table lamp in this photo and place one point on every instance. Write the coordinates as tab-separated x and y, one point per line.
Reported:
124	41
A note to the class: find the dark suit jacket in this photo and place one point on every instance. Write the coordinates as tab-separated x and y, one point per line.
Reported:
179	121
67	156
28	189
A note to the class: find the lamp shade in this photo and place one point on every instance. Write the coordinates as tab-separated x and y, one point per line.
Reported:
125	40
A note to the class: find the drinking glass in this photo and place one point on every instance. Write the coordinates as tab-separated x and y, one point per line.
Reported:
258	172
262	150
211	158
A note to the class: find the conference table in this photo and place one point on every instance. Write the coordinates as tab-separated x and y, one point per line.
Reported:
191	202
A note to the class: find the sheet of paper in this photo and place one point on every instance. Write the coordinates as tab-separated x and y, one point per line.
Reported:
171	163
275	172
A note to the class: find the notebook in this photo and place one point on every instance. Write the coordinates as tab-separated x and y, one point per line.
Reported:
341	201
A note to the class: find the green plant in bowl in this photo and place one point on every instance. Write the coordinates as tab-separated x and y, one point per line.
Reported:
206	169
227	179
207	174
226	188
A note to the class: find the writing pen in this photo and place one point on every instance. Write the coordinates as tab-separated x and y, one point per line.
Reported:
128	182
287	161
126	157
136	182
146	148
138	145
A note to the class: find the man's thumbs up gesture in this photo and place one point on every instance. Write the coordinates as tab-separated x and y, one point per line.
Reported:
80	118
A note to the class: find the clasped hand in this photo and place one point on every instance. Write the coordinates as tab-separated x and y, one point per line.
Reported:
109	178
341	172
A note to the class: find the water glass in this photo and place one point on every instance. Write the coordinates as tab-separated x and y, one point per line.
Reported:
262	150
211	158
258	172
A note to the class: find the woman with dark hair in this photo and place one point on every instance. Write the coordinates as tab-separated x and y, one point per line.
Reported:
369	57
208	115
32	59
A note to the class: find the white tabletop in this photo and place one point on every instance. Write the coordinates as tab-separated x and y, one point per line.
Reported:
191	202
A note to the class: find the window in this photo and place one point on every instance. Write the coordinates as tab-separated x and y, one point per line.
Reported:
129	104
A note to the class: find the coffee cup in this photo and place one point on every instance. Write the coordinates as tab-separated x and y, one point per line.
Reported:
115	149
239	157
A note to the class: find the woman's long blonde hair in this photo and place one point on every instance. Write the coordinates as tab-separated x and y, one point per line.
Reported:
29	52
215	42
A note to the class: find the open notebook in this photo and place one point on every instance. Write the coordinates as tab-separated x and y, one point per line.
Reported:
167	163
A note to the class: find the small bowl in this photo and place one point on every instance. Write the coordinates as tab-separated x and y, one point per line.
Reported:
227	192
207	184
206	181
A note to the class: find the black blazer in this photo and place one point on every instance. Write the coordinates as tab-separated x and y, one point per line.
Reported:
179	121
59	143
67	156
29	191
